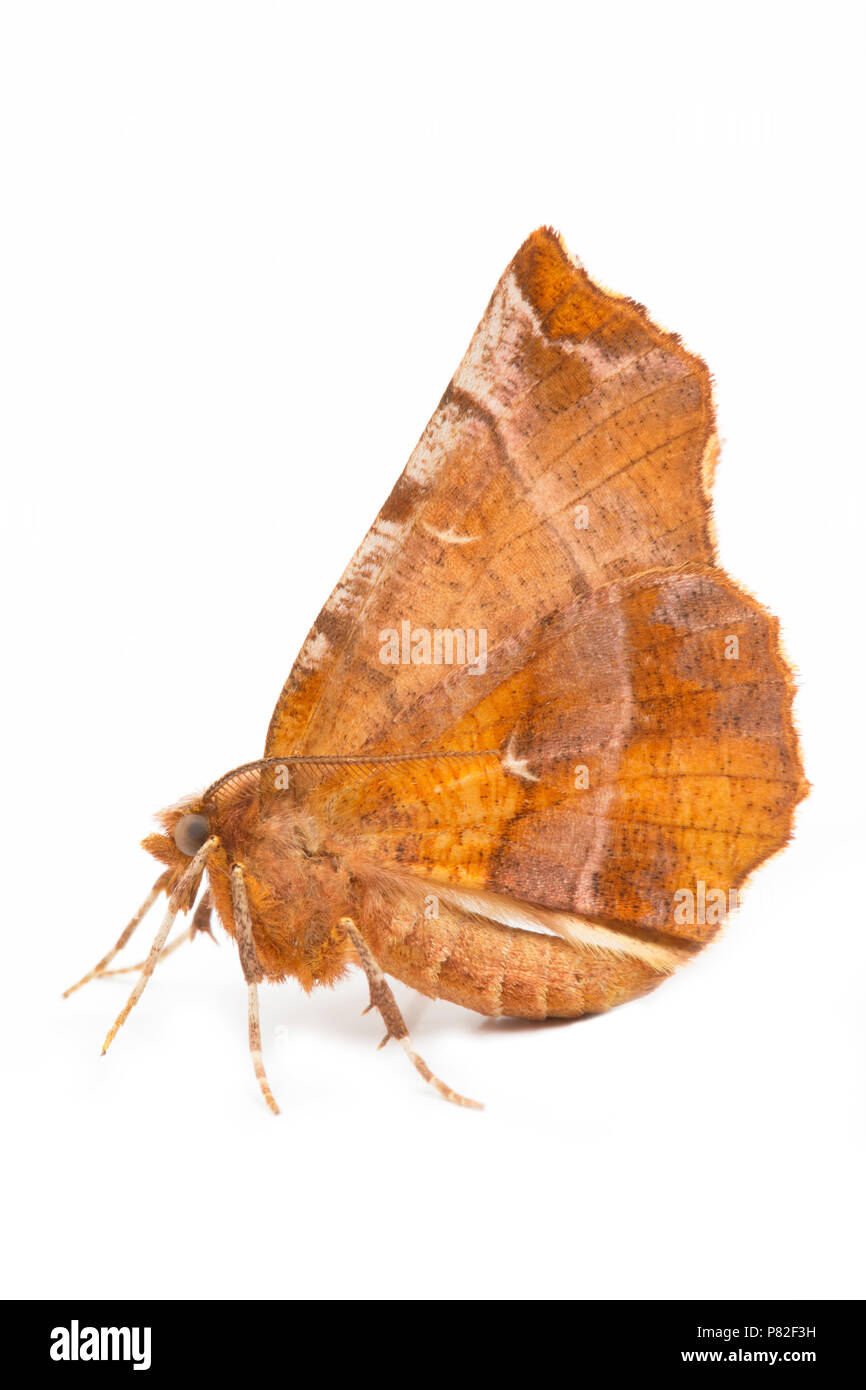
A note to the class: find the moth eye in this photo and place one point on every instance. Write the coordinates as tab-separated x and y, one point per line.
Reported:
190	834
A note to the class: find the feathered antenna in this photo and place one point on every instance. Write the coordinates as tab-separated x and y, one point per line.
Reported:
357	763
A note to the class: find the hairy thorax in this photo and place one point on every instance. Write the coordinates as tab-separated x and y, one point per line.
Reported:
298	885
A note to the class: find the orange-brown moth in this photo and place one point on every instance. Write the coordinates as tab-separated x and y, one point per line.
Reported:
536	738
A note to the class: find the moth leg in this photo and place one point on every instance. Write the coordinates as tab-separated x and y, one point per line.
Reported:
191	875
202	915
252	974
200	924
127	969
381	998
99	968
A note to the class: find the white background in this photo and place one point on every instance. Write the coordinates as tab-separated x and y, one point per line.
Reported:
243	249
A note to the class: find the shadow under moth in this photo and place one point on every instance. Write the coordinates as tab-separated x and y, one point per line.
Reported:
534	723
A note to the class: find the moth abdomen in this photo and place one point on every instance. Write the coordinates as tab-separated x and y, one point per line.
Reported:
505	971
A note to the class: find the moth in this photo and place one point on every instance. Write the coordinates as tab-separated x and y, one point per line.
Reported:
535	722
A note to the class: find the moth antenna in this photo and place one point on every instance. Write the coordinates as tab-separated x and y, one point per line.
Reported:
99	968
252	974
175	903
358	762
381	998
169	950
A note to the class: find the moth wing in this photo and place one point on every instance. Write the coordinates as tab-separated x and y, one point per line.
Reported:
574	445
647	748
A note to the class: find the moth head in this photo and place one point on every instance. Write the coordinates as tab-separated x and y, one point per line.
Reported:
186	827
